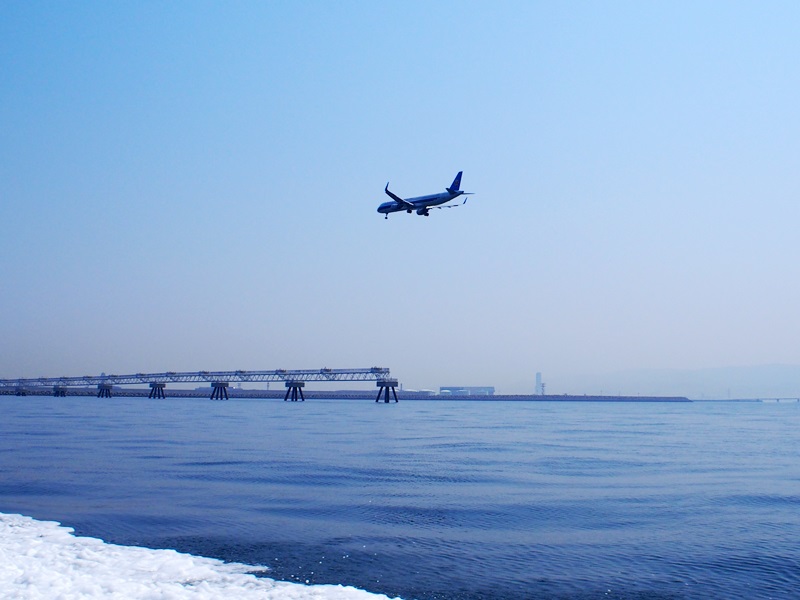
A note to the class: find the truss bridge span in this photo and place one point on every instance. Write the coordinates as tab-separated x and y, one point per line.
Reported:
219	381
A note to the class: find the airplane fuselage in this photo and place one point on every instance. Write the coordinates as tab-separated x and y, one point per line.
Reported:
420	204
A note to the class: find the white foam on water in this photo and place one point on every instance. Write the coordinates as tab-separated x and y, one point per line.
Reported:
43	560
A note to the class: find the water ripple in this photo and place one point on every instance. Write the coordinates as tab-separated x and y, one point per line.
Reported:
448	501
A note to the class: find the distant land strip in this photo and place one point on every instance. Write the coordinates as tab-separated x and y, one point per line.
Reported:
355	395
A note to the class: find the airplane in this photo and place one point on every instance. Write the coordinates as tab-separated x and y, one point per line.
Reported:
422	204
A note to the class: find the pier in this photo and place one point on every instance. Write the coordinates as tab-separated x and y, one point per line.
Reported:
218	381
385	385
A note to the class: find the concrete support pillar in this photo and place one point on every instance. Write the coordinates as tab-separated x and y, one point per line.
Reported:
295	387
104	390
220	390
385	385
59	391
157	390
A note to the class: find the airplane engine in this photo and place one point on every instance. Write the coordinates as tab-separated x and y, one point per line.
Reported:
422	211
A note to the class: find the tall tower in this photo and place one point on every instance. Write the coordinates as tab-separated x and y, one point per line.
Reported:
539	385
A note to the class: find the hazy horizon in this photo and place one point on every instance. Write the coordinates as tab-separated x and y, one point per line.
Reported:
194	186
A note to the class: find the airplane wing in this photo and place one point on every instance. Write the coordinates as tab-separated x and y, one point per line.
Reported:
451	205
398	199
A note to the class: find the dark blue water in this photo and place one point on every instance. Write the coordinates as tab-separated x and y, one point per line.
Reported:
429	500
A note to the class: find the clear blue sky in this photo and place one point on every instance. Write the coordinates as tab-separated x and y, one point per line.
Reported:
193	185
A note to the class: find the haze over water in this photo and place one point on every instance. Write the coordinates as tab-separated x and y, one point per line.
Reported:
445	500
193	186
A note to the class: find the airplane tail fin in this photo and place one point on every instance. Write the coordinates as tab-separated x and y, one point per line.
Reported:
456	185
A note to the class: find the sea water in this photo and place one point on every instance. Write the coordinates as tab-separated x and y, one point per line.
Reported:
426	499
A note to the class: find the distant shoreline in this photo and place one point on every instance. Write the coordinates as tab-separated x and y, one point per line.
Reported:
559	398
322	395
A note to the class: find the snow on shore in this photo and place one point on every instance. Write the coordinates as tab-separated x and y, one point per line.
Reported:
43	560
